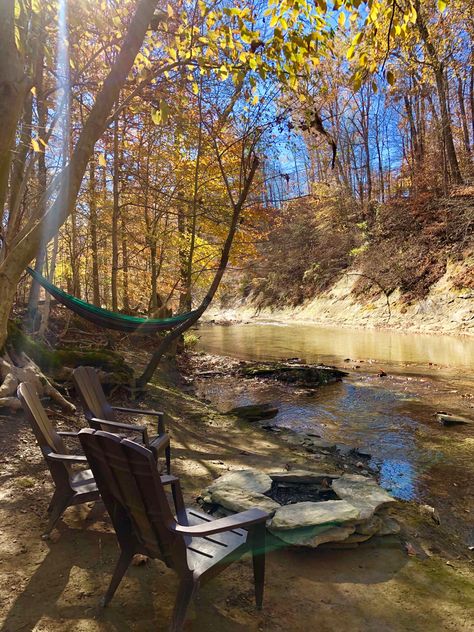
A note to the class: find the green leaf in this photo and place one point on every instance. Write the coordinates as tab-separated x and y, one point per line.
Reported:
165	111
156	116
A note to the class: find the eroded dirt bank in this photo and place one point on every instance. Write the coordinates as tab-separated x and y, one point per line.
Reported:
444	309
418	581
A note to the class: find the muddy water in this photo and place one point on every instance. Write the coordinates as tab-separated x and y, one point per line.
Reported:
391	417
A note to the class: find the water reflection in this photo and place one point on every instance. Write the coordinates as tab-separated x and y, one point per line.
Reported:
354	413
324	344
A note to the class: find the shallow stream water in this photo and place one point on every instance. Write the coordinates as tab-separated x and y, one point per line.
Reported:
391	417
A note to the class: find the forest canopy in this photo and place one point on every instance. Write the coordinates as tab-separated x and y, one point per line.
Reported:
145	146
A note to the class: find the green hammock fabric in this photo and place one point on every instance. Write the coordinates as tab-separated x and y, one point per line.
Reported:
104	317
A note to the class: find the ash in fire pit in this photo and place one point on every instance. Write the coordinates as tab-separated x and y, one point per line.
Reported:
291	493
307	508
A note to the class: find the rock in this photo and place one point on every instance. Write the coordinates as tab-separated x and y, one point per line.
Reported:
237	499
314	536
272	428
357	538
300	374
344	450
361	452
389	527
313	444
339	545
446	419
369	527
249	480
294	438
430	512
302	477
254	412
310	514
361	492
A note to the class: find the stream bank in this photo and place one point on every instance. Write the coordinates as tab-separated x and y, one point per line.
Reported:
445	309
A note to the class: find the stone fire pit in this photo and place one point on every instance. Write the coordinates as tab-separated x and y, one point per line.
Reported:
307	508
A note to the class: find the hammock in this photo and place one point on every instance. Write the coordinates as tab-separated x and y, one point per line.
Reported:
104	317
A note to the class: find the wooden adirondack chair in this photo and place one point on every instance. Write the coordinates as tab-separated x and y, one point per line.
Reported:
193	544
72	488
102	416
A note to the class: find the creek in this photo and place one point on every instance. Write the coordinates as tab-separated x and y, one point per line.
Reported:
392	417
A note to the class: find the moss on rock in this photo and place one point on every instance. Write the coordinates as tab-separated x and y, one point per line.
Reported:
53	361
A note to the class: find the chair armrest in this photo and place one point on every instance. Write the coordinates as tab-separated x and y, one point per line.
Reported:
97	423
169	479
159	443
68	433
237	521
138	411
66	458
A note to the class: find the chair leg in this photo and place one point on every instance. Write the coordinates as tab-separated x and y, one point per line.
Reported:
186	591
120	570
168	459
55	498
56	509
258	559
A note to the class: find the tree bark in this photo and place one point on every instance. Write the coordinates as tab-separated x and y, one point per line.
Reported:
14	86
462	111
93	233
115	219
125	296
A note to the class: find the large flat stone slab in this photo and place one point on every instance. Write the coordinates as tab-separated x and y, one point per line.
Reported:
237	499
314	536
249	480
308	514
363	493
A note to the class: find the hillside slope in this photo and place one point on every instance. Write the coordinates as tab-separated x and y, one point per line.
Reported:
409	266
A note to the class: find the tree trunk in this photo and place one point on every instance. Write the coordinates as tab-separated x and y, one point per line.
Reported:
125	297
462	111
115	219
76	263
47	301
93	233
14	86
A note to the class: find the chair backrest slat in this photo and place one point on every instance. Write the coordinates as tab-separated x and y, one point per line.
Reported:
46	436
132	491
91	393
